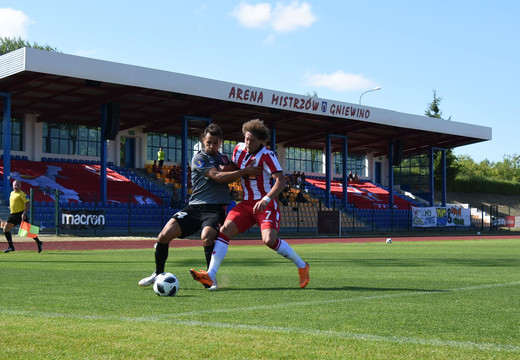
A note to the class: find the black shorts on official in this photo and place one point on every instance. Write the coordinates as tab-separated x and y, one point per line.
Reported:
15	218
195	217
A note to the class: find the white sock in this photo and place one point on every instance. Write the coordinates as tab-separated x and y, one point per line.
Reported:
287	251
219	253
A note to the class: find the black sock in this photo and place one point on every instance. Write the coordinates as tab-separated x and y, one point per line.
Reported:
161	254
208	251
9	238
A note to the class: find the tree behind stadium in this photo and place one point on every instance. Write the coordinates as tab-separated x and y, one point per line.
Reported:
8	44
434	111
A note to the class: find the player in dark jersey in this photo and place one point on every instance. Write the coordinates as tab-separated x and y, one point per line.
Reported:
208	200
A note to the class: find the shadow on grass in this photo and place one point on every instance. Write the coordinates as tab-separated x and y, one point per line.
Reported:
341	288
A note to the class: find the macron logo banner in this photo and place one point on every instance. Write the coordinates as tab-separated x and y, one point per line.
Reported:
82	219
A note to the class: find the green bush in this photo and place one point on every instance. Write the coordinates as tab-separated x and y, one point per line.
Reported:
484	185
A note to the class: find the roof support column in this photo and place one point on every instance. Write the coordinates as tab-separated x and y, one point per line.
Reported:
345	179
103	155
391	174
327	170
444	177
328	162
443	174
432	182
7	145
184	160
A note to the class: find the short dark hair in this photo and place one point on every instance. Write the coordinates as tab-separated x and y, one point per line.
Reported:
212	129
257	128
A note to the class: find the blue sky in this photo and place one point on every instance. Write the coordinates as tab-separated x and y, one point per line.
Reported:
467	51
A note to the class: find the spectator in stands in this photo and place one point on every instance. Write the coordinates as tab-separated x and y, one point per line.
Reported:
288	182
300	198
175	174
292	180
350	176
356	178
302	181
298	180
19	206
206	208
155	168
283	198
160	156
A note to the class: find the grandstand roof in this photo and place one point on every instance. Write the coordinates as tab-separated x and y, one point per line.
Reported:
69	89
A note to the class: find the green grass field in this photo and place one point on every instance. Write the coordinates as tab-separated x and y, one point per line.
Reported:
406	300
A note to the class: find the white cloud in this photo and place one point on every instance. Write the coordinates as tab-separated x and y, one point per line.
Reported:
293	16
284	18
13	23
253	16
340	81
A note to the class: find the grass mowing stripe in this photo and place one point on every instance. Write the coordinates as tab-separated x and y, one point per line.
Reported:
171	319
326	333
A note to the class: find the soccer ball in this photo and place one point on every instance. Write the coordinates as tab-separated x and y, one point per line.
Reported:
166	284
389	241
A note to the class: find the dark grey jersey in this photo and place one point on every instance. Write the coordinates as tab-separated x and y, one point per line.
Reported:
206	190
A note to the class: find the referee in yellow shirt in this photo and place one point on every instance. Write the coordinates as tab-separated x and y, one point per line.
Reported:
19	204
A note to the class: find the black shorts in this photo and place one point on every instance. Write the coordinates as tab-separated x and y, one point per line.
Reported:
15	218
195	217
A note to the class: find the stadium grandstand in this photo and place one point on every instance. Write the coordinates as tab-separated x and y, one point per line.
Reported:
83	134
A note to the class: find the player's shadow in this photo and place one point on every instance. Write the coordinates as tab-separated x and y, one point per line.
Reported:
360	289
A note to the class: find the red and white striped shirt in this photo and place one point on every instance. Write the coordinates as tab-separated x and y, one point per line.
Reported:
257	187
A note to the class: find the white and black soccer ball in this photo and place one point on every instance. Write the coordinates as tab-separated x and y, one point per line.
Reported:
166	284
389	240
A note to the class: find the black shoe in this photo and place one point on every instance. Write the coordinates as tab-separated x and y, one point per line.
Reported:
9	249
40	247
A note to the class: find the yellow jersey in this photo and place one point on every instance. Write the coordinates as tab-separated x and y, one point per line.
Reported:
17	201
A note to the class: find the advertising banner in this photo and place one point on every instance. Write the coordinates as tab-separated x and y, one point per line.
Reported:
82	219
439	216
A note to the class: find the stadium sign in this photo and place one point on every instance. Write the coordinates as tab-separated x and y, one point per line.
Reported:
82	219
309	104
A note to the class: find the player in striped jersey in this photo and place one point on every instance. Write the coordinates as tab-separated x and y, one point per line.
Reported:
260	204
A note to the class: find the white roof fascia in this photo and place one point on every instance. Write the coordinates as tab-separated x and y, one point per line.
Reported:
105	71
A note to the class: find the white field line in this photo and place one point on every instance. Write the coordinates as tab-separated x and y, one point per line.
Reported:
170	319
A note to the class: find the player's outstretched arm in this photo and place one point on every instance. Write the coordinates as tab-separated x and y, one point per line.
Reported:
230	176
